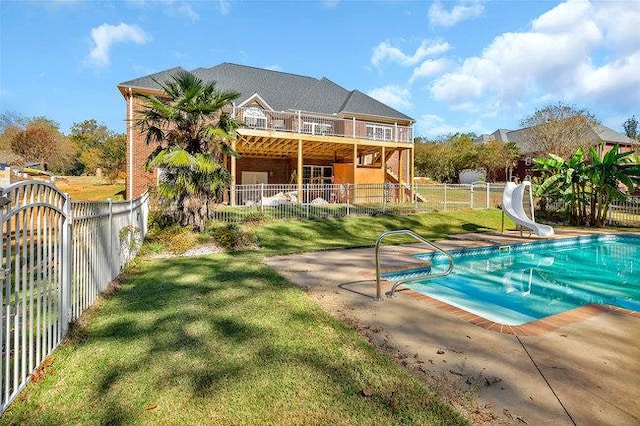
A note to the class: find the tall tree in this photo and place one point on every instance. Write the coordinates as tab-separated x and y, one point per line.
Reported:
88	138
41	141
497	158
631	128
559	129
113	156
193	137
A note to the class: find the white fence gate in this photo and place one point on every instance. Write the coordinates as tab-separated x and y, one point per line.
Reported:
57	256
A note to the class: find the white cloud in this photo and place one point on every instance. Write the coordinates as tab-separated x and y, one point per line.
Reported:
571	53
430	67
330	4
186	10
464	10
224	6
106	35
386	52
618	80
273	67
434	126
393	95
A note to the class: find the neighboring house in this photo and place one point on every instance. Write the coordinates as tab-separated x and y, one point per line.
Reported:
523	169
297	130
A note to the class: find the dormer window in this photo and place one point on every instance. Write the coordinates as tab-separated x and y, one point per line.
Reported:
255	118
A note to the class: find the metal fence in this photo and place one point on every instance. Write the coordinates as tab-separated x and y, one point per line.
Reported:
264	201
338	200
57	256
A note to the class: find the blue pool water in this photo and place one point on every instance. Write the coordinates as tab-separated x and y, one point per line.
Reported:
520	283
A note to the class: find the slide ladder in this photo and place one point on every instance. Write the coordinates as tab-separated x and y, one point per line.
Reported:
513	207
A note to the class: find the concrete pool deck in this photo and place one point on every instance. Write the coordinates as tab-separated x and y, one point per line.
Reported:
584	369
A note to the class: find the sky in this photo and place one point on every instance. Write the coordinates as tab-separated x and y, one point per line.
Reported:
454	66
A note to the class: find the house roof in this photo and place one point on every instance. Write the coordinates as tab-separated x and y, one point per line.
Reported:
282	91
600	134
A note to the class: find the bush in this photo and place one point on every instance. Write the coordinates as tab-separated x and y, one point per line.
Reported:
175	239
231	237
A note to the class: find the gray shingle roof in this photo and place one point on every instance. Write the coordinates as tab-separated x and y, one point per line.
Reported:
147	82
360	103
600	134
282	91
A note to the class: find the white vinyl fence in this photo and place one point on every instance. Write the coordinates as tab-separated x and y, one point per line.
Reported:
57	256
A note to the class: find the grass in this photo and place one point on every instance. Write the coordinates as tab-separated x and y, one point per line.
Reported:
223	339
280	237
91	188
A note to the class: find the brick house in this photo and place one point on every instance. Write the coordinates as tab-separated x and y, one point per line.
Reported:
297	129
524	167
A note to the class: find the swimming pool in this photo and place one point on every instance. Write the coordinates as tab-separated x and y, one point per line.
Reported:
520	283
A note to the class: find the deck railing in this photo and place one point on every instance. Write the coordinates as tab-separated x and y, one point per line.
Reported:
315	124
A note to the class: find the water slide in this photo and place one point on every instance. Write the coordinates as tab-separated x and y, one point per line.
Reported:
512	206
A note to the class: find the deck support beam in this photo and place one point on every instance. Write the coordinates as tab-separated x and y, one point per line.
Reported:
300	171
232	194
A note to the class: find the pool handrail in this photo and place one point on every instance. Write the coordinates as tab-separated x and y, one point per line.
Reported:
415	278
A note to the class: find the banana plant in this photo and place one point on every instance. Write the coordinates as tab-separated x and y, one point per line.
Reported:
566	180
608	174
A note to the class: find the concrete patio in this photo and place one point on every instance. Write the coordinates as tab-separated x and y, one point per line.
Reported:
584	370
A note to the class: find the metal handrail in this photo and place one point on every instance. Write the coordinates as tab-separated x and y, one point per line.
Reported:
426	277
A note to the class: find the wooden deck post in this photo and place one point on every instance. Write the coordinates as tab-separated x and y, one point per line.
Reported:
300	171
232	193
401	188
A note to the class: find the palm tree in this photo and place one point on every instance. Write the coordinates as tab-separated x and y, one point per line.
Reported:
193	137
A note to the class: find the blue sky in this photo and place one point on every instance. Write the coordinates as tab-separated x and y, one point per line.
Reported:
454	66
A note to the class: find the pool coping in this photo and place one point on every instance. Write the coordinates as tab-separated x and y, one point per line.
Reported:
532	328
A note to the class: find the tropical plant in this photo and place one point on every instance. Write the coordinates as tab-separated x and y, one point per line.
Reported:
588	183
566	180
193	136
607	173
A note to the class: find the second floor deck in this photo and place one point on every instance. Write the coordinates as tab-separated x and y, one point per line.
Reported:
315	124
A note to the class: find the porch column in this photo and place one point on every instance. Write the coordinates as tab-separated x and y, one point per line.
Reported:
354	170
300	171
401	194
412	172
384	164
232	194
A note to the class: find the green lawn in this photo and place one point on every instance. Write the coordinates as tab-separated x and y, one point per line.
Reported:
279	237
223	339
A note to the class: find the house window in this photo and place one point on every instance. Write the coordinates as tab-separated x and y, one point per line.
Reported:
255	118
379	132
315	128
317	175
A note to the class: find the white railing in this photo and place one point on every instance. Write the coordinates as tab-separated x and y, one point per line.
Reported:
625	213
315	124
57	256
318	201
337	200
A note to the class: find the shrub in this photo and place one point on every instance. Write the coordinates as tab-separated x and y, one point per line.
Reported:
230	236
